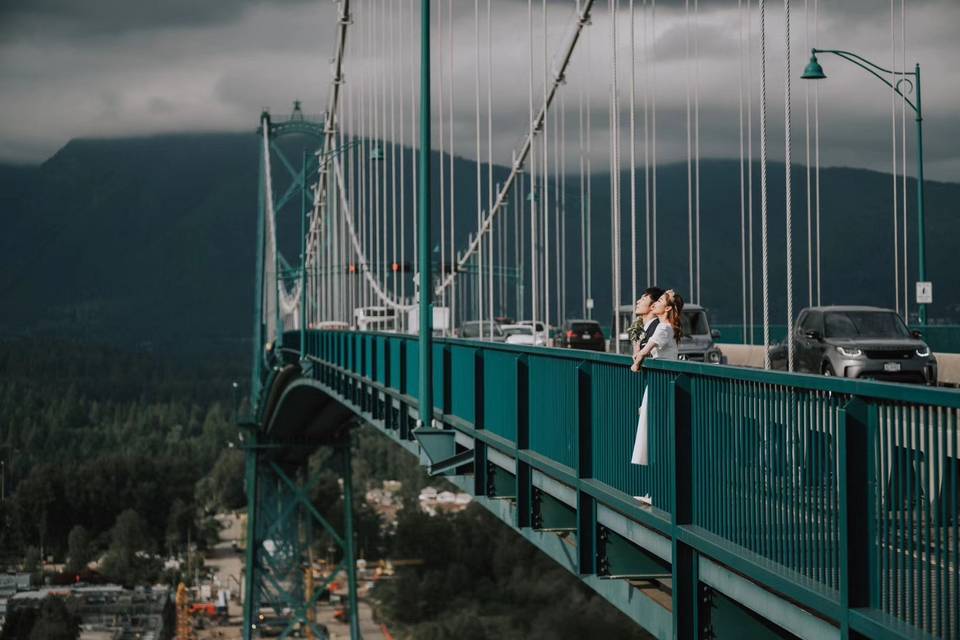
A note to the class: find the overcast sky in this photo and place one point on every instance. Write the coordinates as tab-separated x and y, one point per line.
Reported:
108	68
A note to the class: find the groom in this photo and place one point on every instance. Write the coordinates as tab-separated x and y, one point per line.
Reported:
644	311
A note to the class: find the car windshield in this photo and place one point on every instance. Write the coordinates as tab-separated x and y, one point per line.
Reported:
864	324
473	329
695	323
518	331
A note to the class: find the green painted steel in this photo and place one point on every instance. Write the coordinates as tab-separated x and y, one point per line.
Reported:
413	371
553	413
440	376
424	218
463	387
838	496
500	401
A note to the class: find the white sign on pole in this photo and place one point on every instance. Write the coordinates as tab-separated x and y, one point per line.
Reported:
924	293
589	303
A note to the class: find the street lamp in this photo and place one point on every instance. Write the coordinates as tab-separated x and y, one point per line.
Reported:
892	79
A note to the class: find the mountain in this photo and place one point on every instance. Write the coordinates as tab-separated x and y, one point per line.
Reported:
151	241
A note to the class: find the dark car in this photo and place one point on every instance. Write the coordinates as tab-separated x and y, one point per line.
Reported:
857	342
697	343
582	334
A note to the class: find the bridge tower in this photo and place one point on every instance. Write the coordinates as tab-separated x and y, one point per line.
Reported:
284	526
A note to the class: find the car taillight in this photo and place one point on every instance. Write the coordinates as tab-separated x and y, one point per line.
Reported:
598	335
571	334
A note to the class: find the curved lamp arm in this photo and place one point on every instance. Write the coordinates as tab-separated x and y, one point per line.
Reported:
875	70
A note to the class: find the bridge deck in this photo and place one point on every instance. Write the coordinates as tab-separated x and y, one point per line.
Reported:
820	504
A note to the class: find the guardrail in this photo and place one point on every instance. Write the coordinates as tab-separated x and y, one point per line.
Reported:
840	495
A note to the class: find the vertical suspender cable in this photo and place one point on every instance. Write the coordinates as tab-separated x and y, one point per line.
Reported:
362	155
589	209
490	149
386	257
763	186
545	209
750	236
443	181
689	117
893	164
806	134
743	222
903	162
452	303
633	153
557	218
653	135
394	228
788	184
583	202
645	47
402	230
816	154
563	207
518	244
615	173
414	135
476	87
696	133
376	165
534	289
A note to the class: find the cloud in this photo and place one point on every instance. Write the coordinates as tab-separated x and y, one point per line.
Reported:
110	68
105	18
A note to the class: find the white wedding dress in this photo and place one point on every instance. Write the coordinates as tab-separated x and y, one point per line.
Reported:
665	348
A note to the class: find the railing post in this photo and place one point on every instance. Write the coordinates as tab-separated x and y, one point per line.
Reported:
856	439
686	623
523	443
586	504
478	419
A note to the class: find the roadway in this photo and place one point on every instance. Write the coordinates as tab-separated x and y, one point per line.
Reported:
744	355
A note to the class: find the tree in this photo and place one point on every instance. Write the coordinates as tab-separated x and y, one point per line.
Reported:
55	621
129	558
79	549
52	620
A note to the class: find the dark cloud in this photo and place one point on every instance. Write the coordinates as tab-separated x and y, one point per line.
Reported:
113	17
112	68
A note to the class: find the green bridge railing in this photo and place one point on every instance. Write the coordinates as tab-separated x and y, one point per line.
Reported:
840	496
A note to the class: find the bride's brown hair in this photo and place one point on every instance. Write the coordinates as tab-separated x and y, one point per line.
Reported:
674	312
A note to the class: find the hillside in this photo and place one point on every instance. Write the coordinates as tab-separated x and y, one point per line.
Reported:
150	241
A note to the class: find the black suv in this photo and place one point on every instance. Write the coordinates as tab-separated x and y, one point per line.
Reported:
857	342
582	334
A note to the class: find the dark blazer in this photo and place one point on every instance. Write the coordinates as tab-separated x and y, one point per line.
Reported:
637	346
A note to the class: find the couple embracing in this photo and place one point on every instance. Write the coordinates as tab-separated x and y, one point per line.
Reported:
655	334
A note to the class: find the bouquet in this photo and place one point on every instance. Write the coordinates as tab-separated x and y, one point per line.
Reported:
635	331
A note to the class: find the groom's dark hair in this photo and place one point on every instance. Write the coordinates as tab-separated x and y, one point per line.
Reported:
653	292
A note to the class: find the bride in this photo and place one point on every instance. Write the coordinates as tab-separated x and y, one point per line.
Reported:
661	345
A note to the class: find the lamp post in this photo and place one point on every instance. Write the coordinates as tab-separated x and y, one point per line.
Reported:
892	79
424	219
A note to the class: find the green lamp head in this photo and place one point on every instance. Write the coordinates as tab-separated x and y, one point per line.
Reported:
813	70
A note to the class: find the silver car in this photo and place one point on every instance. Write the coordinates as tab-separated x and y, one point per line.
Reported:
858	342
482	330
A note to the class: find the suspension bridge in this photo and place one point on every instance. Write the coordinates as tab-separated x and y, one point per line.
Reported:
783	505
